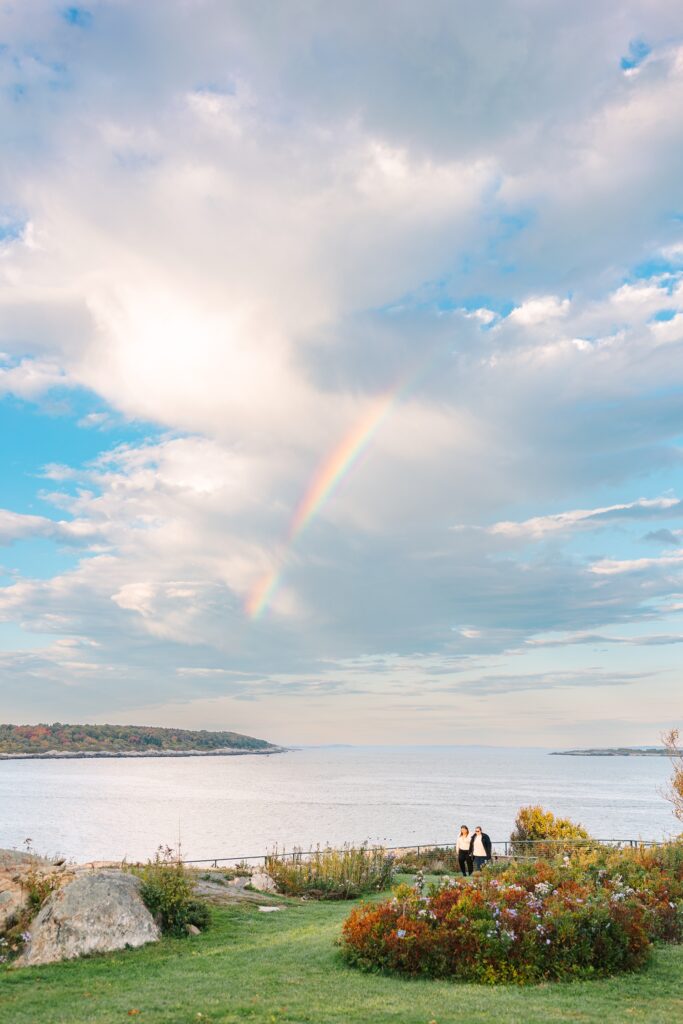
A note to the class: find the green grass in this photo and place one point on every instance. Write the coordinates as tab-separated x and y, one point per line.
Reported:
285	968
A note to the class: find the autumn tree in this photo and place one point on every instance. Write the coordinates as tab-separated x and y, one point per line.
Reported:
674	793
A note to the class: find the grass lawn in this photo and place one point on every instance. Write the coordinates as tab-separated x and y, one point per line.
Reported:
284	967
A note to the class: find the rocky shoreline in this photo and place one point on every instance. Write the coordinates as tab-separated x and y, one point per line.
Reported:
57	755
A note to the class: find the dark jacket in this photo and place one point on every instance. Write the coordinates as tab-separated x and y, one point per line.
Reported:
486	840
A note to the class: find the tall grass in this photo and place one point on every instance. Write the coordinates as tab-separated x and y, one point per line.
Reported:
435	860
328	874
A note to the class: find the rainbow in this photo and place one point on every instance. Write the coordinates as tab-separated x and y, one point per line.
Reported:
327	478
329	475
334	468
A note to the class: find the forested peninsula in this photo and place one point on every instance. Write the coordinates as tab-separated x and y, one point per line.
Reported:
64	741
615	752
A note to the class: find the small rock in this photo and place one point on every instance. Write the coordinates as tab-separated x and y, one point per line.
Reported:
263	882
192	929
269	910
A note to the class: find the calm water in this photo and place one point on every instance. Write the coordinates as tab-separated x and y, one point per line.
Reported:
233	806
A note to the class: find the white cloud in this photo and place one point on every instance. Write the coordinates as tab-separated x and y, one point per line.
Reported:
593	518
31	378
539	310
16	526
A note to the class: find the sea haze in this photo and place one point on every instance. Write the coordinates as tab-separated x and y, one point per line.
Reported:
234	806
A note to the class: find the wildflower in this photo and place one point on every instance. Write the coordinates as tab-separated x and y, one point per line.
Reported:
401	933
25	936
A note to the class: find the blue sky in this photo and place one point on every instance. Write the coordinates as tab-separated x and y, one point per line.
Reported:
224	234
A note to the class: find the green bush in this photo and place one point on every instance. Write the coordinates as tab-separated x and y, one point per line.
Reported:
167	891
533	825
328	874
38	887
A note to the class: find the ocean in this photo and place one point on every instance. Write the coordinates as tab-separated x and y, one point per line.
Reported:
244	806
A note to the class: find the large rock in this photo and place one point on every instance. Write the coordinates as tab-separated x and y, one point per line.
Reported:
94	913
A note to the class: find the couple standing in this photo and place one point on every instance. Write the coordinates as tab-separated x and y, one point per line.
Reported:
474	849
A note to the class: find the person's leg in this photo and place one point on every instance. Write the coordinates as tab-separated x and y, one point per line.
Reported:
462	860
469	864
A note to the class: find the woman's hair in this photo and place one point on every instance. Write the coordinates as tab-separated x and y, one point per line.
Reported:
466	829
478	827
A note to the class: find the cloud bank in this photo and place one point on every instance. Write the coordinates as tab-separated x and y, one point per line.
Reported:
235	228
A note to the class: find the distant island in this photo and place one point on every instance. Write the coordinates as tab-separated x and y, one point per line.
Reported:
74	741
614	752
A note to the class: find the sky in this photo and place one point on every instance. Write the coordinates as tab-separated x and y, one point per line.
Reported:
341	368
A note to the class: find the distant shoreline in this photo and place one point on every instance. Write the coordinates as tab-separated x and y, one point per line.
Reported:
613	752
74	755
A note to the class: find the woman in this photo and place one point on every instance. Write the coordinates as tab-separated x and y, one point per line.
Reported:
464	852
481	848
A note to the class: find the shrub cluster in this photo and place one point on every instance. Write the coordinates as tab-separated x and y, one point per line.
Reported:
654	875
527	923
328	874
167	892
533	825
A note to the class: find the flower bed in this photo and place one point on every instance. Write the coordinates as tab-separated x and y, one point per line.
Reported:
532	922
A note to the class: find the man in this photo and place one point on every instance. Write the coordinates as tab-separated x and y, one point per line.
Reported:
481	848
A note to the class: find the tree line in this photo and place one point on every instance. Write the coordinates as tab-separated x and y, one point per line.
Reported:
39	739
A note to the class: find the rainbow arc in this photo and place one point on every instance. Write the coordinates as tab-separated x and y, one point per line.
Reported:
327	477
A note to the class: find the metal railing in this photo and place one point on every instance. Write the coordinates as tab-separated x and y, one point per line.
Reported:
508	850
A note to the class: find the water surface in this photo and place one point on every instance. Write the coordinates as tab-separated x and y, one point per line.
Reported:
234	806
